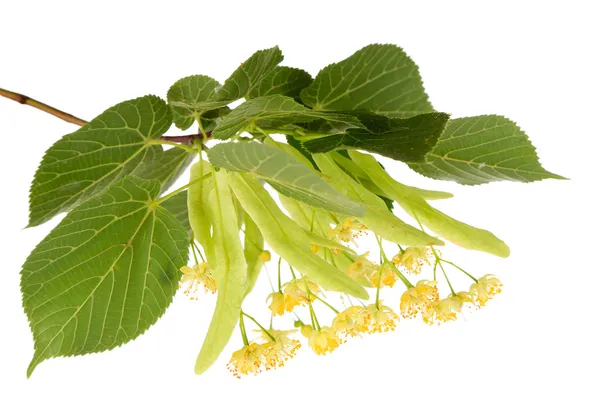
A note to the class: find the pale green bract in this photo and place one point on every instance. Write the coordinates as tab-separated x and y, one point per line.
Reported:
228	267
105	274
482	149
286	174
380	78
447	227
85	162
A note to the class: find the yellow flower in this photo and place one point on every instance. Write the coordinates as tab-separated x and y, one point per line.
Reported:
418	298
388	276
297	288
294	294
352	321
277	305
485	288
248	359
346	230
361	268
381	319
446	309
195	277
278	351
322	341
413	259
265	256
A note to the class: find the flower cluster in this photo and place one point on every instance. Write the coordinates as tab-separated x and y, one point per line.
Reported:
347	230
292	294
274	347
271	350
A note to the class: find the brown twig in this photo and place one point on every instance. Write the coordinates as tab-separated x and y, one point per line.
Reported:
26	100
67	117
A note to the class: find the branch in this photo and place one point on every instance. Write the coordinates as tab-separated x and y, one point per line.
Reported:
26	100
67	117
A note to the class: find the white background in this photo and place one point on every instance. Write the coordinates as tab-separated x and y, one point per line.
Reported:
534	348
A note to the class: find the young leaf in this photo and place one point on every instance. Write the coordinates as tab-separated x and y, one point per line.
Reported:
482	149
279	111
406	140
191	97
378	78
447	227
101	152
284	173
229	269
105	274
249	74
165	166
177	205
281	81
288	239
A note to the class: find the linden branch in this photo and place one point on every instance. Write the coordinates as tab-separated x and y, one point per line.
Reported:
67	117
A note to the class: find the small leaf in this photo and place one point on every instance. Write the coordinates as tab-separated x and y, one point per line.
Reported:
281	80
249	74
165	166
191	97
105	274
177	206
482	149
378	78
285	173
279	111
406	140
101	152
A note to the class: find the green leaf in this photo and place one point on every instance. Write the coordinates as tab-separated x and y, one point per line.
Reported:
283	172
249	74
105	274
278	111
447	227
229	269
177	206
191	97
101	152
296	144
281	80
165	166
406	140
378	78
482	149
